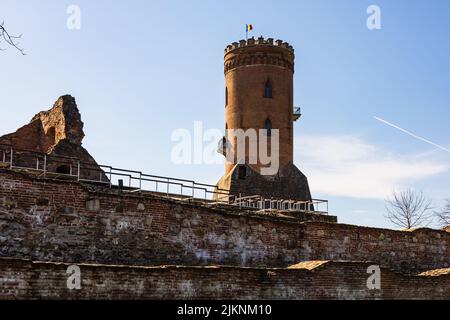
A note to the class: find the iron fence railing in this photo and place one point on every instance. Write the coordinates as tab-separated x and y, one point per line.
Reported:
64	167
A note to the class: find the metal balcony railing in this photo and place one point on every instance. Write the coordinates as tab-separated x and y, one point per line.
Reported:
222	146
297	113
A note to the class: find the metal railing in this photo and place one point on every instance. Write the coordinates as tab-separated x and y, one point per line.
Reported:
64	167
262	203
297	113
137	181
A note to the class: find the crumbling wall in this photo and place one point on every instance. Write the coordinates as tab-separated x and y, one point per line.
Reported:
61	221
48	128
288	183
56	133
331	280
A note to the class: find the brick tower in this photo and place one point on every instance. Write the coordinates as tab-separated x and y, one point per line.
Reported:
259	95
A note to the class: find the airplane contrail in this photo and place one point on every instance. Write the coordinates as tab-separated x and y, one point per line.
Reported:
412	134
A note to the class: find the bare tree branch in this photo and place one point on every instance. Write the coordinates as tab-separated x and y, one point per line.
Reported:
443	216
409	209
10	39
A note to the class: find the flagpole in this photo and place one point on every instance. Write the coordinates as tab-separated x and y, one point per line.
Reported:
246	32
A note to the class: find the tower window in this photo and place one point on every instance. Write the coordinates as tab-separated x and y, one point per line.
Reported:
267	90
226	96
242	172
268	127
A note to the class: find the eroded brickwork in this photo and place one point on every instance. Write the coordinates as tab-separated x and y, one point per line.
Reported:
48	128
330	280
52	220
57	133
289	183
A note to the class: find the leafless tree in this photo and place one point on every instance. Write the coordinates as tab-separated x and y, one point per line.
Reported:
409	209
443	216
10	39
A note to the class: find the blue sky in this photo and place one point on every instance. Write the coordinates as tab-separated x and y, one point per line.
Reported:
142	69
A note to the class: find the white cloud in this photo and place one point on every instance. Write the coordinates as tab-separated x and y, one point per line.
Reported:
348	166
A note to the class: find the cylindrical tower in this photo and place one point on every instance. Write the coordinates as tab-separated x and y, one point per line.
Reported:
259	75
259	92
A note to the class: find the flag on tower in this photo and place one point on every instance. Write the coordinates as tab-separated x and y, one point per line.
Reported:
248	27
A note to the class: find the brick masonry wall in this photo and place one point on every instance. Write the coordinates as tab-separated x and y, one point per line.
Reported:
53	220
56	133
406	251
333	280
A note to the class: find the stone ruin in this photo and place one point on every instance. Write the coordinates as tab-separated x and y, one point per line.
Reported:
57	133
137	245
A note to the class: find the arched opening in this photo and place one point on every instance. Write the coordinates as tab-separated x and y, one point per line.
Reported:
63	169
268	90
242	172
268	127
226	96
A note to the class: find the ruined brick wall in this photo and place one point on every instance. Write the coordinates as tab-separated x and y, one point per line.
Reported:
53	220
48	128
56	133
406	251
331	280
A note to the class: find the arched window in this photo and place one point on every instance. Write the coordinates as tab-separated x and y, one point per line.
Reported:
226	96
268	90
268	127
242	172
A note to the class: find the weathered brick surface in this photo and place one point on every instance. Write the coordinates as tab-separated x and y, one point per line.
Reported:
289	183
406	251
52	220
248	68
48	128
331	280
56	133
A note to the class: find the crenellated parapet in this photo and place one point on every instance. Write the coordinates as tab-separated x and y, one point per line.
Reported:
259	42
259	51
